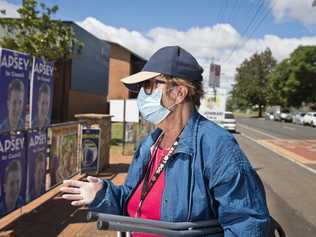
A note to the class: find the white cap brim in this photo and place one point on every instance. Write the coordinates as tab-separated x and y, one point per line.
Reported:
138	77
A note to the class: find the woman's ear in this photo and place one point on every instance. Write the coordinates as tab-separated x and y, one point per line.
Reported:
182	93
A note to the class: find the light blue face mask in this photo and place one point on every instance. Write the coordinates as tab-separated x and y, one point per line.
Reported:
150	106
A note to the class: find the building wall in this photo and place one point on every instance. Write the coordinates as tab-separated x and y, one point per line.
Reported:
84	102
90	67
119	67
89	76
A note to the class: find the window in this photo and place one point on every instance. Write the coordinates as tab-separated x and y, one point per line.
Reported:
229	116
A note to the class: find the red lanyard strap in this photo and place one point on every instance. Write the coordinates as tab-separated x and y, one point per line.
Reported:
148	184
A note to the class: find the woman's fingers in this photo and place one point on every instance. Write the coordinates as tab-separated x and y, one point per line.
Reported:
72	197
73	183
78	203
70	190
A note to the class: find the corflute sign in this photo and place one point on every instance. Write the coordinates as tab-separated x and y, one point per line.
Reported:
12	172
15	71
41	93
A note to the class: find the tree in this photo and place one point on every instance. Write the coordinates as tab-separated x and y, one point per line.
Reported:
293	81
277	94
36	33
251	80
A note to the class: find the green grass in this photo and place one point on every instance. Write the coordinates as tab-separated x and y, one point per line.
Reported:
116	133
117	140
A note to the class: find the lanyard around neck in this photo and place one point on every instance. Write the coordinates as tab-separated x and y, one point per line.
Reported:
148	184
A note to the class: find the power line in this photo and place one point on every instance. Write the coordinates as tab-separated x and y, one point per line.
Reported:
233	9
224	10
221	8
244	34
219	15
259	23
254	17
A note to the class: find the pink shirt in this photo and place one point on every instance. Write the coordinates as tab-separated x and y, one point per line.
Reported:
151	205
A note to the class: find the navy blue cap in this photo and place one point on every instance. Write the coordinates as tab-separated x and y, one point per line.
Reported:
172	61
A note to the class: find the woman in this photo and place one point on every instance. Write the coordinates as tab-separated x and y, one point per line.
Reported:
188	169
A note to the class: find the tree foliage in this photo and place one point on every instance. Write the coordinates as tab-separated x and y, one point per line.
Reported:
36	33
293	81
276	84
251	86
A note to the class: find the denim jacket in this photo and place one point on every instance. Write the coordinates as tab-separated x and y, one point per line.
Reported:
207	177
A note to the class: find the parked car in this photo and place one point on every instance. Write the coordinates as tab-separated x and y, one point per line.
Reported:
229	122
298	117
277	116
310	119
269	116
286	116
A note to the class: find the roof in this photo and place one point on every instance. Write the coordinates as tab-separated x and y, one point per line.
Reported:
133	53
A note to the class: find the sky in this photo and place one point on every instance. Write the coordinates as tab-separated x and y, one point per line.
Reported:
225	32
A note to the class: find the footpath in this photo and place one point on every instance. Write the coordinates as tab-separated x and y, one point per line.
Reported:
51	216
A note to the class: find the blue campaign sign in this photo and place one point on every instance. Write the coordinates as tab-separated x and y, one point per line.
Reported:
90	150
36	164
12	172
15	71
41	93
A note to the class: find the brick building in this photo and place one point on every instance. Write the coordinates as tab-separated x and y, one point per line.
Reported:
123	62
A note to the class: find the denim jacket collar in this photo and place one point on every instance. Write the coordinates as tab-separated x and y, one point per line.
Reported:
187	138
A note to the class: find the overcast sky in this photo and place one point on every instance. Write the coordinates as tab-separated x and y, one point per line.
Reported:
225	31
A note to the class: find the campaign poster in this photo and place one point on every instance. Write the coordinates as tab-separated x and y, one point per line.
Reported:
213	105
90	150
12	172
36	163
15	70
41	93
64	152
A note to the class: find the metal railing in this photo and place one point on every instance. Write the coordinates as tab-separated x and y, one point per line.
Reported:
126	225
172	229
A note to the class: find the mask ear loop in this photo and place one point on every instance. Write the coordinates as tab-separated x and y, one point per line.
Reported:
173	105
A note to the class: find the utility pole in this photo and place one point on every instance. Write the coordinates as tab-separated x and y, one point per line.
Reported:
314	3
212	78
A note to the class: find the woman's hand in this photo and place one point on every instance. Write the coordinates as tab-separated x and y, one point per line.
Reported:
79	192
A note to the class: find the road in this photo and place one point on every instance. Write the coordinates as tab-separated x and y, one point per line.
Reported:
284	156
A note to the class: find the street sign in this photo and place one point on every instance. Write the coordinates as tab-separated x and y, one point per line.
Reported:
215	72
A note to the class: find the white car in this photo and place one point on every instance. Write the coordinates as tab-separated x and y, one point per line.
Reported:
285	116
269	116
229	122
298	117
310	119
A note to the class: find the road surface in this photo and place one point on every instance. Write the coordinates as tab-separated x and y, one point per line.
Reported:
284	156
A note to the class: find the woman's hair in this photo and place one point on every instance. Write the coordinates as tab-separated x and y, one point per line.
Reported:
195	88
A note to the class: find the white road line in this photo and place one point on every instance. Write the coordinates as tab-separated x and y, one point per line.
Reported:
288	158
258	131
